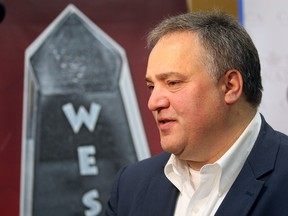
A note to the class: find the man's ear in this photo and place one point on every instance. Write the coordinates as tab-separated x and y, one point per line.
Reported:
233	84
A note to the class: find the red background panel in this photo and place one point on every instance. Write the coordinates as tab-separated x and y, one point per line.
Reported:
126	21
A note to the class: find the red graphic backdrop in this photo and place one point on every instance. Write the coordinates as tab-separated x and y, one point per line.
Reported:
126	21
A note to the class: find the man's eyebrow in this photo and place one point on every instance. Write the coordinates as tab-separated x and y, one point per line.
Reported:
147	79
163	76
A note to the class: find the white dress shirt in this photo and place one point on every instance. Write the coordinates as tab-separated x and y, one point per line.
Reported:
201	192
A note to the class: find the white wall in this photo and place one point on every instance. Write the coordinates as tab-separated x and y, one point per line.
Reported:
267	23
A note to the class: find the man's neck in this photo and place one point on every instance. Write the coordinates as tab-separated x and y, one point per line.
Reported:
228	138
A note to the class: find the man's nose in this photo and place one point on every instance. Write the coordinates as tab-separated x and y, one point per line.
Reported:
158	100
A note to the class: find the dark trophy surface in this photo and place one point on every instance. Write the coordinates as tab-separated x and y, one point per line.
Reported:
76	120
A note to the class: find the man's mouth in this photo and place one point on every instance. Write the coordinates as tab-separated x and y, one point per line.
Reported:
165	124
164	121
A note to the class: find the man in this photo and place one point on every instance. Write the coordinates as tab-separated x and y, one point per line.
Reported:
222	157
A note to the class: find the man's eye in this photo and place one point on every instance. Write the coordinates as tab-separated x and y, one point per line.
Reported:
173	83
150	87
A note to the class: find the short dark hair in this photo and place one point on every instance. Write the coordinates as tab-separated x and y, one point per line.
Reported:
226	43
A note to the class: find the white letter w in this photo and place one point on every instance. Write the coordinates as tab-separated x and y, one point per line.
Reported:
82	116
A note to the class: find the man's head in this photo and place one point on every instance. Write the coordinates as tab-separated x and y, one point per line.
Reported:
226	43
198	69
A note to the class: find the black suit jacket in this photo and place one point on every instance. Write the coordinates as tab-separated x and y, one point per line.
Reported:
261	188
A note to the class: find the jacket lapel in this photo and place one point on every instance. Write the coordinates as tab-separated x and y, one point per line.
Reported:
241	195
247	186
161	196
163	200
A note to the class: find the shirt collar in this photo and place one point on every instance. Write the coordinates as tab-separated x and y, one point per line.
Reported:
233	160
177	171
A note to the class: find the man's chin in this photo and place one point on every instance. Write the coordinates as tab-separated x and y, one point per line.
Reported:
171	149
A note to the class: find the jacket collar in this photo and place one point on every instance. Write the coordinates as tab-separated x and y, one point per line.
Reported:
249	182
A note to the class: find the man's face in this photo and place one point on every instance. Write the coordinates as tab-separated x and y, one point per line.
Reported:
187	104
